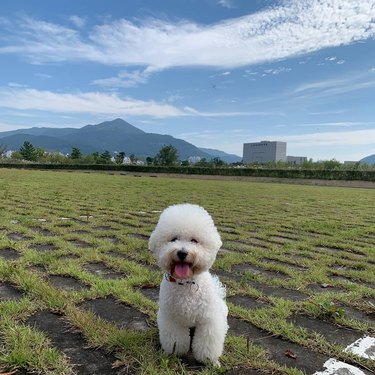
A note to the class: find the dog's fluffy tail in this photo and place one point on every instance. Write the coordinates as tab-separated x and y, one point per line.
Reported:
220	287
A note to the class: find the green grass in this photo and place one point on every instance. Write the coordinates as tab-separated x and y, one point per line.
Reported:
266	225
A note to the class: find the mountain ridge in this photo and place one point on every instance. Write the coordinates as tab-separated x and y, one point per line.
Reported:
115	136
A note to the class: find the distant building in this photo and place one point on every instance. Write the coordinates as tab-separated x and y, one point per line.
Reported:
194	159
296	160
264	152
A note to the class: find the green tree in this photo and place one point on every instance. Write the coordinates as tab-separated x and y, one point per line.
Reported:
167	155
332	164
3	150
28	151
55	157
133	158
217	162
91	158
40	154
149	160
119	158
203	163
76	153
16	155
105	157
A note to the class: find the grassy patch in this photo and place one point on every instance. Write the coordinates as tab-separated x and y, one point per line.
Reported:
309	251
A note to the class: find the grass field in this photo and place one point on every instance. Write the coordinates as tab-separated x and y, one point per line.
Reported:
79	289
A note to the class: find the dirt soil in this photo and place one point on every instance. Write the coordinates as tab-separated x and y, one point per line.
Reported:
298	181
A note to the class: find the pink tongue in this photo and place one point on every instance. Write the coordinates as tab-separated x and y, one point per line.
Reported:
182	270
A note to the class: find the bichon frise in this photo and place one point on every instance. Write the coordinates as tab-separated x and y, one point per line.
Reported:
185	243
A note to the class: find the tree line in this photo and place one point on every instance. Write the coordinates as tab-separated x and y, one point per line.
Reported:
167	156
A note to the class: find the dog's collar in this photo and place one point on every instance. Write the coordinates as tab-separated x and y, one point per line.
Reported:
171	279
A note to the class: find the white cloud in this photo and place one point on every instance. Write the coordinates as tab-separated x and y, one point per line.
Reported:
89	102
293	28
277	70
358	137
98	103
342	124
78	21
16	85
226	3
42	76
194	112
125	79
332	87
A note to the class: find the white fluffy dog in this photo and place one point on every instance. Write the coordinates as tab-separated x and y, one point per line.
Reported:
185	243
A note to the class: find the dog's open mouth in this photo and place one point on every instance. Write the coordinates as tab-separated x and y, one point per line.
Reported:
181	270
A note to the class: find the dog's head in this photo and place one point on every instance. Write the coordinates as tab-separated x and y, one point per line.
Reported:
185	240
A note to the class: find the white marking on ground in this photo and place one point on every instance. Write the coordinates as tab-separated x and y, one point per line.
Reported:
363	347
14	221
335	367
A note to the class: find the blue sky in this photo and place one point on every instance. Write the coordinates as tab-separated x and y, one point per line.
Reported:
216	73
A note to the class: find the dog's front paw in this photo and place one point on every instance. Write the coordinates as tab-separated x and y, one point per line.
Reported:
175	347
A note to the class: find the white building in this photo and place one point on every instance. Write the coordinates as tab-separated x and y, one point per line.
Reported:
194	159
264	152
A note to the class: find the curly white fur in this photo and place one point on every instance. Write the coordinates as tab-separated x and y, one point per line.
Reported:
185	243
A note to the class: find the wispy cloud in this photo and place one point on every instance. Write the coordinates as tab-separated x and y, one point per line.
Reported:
356	137
42	76
293	28
78	21
342	124
194	112
20	98
332	87
276	71
124	79
226	3
89	102
16	85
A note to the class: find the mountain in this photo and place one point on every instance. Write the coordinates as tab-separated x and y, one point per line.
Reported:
368	159
228	158
117	135
14	142
39	131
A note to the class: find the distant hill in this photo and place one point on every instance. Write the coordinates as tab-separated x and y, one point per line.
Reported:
114	136
368	160
14	142
228	158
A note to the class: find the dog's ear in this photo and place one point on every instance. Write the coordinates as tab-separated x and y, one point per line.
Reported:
151	242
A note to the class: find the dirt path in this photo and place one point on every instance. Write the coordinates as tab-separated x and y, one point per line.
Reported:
298	181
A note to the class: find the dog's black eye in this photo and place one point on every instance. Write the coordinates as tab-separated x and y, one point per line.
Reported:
194	240
174	239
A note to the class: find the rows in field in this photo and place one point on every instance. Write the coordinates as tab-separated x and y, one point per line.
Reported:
263	269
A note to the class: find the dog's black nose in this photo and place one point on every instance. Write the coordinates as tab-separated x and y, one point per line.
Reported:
182	254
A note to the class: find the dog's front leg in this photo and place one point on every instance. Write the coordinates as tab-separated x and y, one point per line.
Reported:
174	338
208	341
